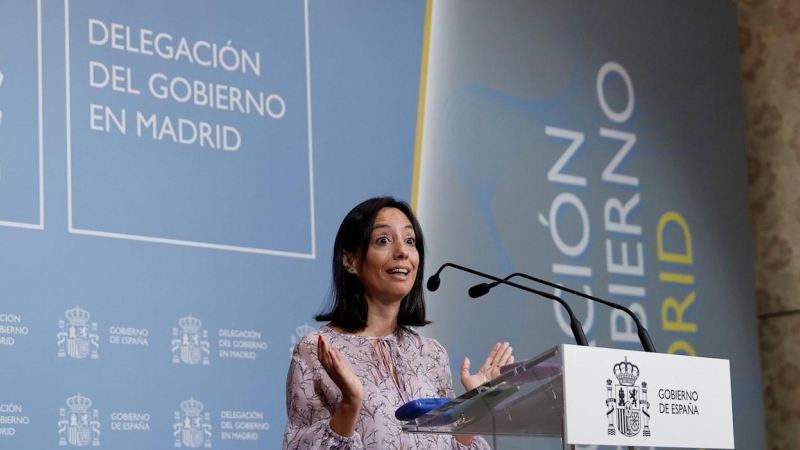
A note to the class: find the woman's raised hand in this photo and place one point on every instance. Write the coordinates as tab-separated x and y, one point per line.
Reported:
340	372
499	356
344	418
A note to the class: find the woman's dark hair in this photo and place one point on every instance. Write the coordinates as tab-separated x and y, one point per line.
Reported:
347	305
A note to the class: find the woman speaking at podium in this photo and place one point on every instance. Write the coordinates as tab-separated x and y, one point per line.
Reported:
347	378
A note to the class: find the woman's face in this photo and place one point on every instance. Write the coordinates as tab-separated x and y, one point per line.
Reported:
389	268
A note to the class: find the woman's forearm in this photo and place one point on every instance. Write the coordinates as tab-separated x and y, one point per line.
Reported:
343	421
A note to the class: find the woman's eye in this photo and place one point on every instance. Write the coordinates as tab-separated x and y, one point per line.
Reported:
410	241
382	240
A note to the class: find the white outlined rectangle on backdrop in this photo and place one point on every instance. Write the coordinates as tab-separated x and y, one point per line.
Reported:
191	243
40	224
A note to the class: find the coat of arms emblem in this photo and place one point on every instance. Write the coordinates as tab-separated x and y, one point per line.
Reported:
189	344
78	426
77	337
192	426
627	403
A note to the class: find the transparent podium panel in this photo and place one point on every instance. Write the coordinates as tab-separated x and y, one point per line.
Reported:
525	400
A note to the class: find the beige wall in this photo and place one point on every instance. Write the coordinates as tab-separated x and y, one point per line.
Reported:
769	32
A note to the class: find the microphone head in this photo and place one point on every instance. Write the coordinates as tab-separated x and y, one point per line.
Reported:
479	290
433	283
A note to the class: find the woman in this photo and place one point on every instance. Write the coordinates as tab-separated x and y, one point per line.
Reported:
347	378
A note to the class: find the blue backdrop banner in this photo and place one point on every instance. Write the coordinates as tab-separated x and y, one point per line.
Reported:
172	175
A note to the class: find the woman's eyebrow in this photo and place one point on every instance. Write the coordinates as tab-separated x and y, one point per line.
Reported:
386	225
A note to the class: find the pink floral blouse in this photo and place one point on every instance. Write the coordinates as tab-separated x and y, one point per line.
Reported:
422	370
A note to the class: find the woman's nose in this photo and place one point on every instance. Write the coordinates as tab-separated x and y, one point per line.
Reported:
401	252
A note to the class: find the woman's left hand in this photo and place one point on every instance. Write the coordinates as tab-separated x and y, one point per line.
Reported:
499	356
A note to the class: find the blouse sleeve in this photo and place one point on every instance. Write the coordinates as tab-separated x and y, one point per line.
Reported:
308	410
478	442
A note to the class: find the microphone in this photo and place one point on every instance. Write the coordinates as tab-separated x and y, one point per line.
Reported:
577	330
434	281
644	337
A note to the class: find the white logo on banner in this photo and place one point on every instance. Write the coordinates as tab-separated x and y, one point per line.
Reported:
192	426
628	400
130	421
128	336
78	426
77	338
10	326
11	416
190	344
299	332
240	344
241	425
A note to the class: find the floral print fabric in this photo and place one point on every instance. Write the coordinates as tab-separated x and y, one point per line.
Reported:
393	370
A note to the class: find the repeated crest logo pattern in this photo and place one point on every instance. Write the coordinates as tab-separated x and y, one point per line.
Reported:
79	426
77	337
190	344
192	426
627	403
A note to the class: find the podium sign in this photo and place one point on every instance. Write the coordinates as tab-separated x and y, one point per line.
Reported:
597	396
631	398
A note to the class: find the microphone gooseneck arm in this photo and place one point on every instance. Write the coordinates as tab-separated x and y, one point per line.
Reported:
577	330
644	337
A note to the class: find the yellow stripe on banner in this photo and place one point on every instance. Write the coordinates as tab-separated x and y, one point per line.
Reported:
671	277
423	83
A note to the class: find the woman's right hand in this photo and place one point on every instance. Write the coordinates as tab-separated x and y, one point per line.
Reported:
345	417
340	372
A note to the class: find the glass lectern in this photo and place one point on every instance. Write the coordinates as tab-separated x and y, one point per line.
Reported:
525	400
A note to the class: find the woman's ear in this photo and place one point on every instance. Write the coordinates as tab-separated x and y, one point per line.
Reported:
349	263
